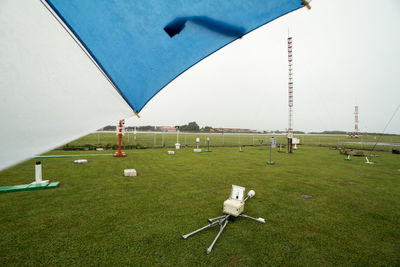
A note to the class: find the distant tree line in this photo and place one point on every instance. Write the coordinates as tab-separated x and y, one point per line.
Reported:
329	132
194	127
190	127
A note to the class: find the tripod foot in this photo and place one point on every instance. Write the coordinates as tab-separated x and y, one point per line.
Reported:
260	220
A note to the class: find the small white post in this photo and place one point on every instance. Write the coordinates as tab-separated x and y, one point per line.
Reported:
38	172
177	145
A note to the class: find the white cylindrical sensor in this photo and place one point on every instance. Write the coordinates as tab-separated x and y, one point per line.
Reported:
251	194
38	172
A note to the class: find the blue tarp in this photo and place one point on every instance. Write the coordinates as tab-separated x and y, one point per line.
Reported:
143	45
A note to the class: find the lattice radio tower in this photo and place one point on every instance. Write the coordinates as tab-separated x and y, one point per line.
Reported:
290	87
356	130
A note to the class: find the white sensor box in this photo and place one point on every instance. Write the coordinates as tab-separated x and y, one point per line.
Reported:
233	207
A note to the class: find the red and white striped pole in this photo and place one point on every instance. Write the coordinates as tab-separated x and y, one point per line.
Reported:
290	92
120	133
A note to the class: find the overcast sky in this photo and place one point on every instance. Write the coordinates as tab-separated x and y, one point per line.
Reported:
345	54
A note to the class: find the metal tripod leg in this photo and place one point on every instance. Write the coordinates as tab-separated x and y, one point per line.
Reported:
200	229
216	218
260	220
225	222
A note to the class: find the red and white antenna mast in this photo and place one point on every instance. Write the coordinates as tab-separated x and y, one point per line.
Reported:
290	85
290	91
356	130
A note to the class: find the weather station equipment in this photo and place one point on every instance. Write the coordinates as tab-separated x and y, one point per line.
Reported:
177	145
233	207
120	132
197	149
272	145
208	145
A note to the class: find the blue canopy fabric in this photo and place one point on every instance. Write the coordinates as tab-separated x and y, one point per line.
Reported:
143	45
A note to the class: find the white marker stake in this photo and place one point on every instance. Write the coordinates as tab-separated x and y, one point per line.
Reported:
38	172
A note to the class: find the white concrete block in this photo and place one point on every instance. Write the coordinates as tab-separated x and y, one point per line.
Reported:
171	152
197	150
81	161
130	172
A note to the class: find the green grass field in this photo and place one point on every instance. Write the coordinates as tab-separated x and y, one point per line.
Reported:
228	139
99	217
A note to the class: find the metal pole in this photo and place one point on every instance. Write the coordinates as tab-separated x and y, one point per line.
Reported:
270	152
200	229
98	138
162	139
219	233
361	142
154	145
119	137
210	220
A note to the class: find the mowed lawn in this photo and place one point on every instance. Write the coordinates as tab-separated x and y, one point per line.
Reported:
158	139
99	217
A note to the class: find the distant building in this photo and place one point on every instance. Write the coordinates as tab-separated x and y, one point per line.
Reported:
353	135
168	129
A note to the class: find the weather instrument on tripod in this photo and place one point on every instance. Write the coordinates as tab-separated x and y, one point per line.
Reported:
233	207
208	145
272	145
